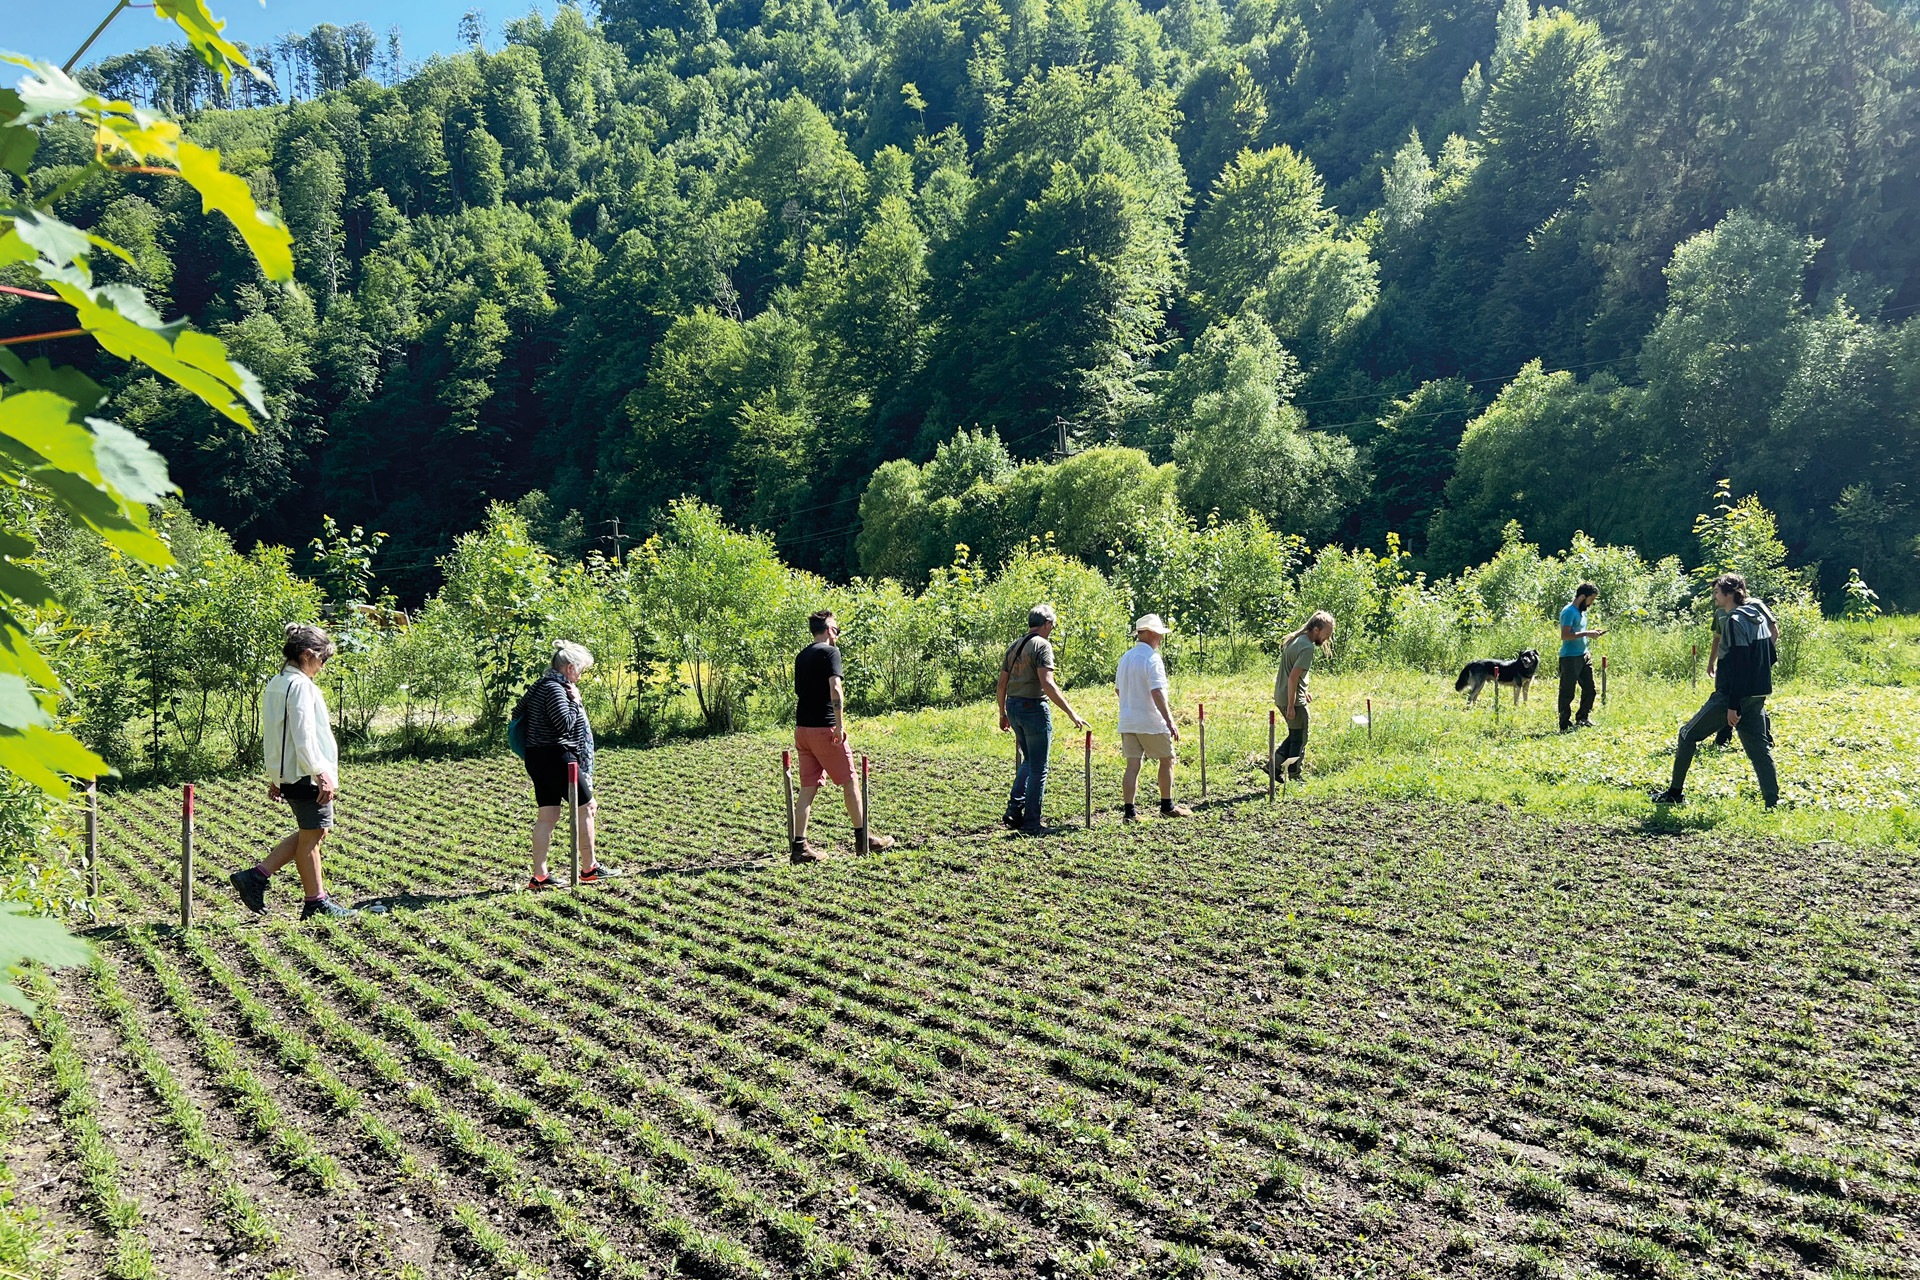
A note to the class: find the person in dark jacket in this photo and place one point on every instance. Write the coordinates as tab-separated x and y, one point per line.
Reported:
558	734
1747	645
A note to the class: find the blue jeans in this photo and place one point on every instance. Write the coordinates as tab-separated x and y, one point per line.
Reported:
1033	729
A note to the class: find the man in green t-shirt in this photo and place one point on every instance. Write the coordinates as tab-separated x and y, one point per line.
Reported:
1290	688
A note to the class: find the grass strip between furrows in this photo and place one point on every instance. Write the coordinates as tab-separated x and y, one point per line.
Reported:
235	1207
497	1163
389	1069
788	1226
117	1212
787	1236
677	1110
295	1052
290	1146
799	1105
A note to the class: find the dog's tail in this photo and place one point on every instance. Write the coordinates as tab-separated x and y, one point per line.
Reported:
1461	684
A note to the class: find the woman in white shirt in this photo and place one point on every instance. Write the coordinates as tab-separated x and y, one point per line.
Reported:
303	769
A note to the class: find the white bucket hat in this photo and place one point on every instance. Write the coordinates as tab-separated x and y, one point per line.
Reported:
1151	622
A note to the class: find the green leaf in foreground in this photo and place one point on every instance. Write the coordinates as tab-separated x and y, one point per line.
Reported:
228	193
25	938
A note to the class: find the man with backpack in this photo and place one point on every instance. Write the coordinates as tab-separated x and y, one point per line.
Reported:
1746	647
1026	686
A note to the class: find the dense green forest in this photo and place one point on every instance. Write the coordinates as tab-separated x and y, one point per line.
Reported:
1421	266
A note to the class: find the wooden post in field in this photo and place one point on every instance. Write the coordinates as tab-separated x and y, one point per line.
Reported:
1273	768
1089	779
1603	681
1203	751
1369	720
866	808
786	777
573	820
1693	672
93	838
186	857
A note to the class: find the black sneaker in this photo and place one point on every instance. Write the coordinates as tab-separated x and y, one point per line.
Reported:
537	883
327	907
1669	796
251	885
1013	820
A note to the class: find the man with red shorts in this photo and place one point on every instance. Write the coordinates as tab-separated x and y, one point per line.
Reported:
820	736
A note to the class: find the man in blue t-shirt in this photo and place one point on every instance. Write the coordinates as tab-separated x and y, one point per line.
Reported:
1576	668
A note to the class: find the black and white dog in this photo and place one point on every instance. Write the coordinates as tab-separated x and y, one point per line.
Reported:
1517	673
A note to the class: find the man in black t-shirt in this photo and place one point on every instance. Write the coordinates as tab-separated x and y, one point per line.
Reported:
820	737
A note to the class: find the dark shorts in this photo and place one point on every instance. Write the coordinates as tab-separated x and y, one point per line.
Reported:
547	766
303	797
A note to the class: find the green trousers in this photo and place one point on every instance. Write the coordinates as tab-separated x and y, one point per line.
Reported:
1756	738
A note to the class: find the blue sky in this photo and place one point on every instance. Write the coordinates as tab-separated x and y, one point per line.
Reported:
53	29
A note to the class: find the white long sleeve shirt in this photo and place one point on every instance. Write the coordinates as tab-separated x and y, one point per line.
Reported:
298	740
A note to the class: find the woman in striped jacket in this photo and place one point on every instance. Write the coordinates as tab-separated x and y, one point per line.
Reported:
557	735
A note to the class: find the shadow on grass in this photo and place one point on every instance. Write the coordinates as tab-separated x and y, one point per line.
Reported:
388	903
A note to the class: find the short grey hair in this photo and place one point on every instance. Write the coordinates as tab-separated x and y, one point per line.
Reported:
1040	615
568	654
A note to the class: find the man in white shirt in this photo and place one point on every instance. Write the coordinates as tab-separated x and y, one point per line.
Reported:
1147	730
303	768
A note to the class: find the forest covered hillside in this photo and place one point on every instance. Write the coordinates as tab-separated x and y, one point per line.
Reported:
1425	266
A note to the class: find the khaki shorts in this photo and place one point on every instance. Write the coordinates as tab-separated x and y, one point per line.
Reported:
1152	746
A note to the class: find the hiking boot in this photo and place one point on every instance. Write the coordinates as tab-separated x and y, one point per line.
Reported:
328	907
1670	796
802	852
879	844
251	885
1175	811
1013	819
597	873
